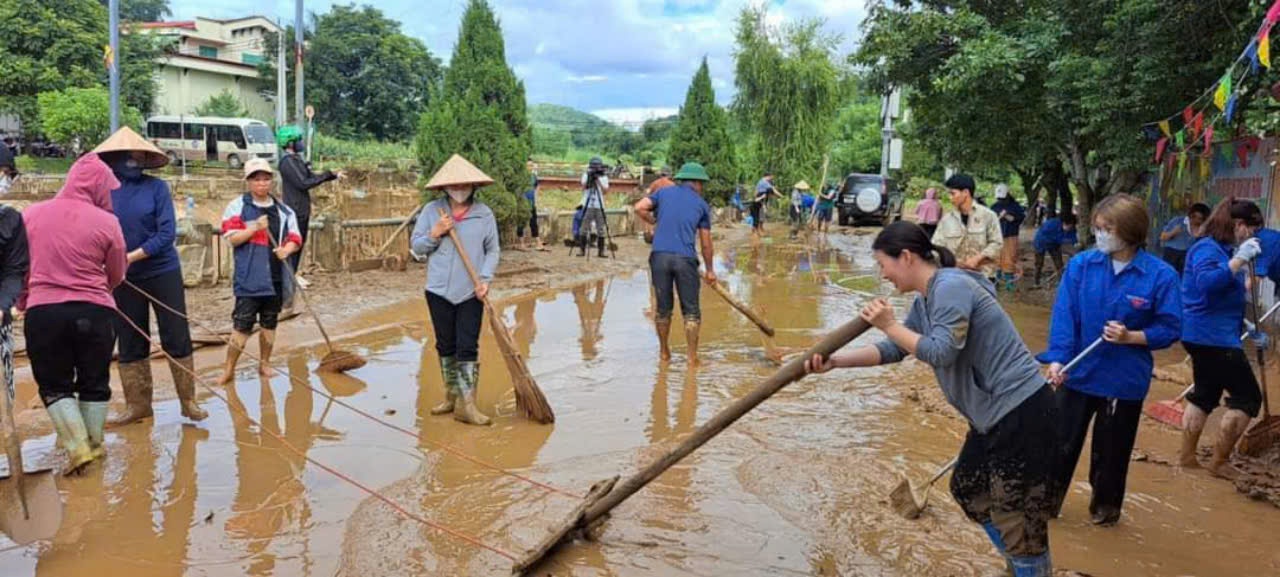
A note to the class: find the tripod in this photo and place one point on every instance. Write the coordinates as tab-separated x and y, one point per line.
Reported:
594	193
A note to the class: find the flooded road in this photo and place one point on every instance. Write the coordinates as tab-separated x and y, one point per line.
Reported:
797	487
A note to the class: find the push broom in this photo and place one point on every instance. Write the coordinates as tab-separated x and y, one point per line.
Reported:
337	360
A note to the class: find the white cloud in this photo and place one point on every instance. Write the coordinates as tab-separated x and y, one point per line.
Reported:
591	55
632	117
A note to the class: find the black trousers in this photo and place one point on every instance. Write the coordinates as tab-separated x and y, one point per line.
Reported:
1056	253
676	274
457	327
175	334
1219	369
1004	476
69	345
757	214
304	228
533	224
1176	258
1115	427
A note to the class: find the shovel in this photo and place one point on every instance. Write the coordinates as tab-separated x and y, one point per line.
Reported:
910	501
1265	431
36	512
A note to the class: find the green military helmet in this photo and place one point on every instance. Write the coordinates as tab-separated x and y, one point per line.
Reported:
692	171
287	134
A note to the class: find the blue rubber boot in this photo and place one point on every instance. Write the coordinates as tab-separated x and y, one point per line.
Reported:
1038	566
998	541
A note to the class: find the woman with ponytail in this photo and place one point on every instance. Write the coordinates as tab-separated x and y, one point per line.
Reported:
1213	301
1002	476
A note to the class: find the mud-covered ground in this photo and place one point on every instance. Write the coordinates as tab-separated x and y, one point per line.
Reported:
798	487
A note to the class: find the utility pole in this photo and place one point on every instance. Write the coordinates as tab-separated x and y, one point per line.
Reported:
282	88
299	94
113	65
886	115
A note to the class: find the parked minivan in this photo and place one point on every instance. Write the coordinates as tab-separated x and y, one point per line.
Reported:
211	139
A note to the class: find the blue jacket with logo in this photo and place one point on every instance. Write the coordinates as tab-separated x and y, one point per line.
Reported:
1212	297
253	258
1268	263
1144	296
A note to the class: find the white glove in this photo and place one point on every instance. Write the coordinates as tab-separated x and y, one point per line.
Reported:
1249	250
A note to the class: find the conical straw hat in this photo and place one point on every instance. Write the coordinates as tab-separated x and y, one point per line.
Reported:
802	185
126	140
457	171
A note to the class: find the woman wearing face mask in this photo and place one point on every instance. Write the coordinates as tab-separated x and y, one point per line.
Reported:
1122	293
1002	478
144	207
1213	300
455	303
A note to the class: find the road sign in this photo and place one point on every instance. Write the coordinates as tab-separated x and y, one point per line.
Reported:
310	112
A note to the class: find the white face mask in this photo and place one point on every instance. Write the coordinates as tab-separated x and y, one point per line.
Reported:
459	196
5	184
1106	242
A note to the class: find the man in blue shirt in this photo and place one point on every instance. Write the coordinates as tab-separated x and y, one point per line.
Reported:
1179	233
678	214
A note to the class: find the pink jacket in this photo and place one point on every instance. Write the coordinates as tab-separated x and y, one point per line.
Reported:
929	211
77	247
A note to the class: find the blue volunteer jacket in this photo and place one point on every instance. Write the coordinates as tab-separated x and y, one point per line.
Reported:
1144	296
145	210
1049	235
1212	297
1268	263
1009	228
253	258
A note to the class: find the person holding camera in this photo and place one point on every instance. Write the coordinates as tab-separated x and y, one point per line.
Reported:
594	183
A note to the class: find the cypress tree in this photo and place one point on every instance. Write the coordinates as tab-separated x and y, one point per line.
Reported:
480	114
702	135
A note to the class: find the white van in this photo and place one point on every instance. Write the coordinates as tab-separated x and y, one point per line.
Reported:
230	140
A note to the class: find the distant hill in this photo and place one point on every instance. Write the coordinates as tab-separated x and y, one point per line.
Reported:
556	117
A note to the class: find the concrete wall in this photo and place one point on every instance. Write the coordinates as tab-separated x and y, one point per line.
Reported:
182	90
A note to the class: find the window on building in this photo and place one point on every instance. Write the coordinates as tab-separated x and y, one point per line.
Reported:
254	59
208	51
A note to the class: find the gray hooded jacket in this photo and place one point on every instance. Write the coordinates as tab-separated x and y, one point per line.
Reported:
982	365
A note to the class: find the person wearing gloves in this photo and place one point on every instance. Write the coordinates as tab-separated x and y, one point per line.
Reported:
70	313
1119	292
297	180
1213	301
144	207
1179	233
263	233
1011	216
455	303
1003	475
594	228
970	231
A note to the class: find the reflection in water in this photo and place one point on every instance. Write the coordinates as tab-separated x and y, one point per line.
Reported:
590	300
270	498
526	328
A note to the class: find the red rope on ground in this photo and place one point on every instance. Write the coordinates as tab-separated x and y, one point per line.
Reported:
396	506
442	446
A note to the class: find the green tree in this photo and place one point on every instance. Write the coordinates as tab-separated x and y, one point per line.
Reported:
788	94
857	140
143	10
48	46
138	56
80	116
365	77
1062	89
701	135
480	113
225	104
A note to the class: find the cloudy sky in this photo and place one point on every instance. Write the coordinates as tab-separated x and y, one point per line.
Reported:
626	60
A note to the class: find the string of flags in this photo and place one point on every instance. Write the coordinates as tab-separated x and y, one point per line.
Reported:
1223	95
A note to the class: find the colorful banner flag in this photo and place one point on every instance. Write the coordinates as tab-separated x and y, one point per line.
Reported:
1231	109
1187	114
1208	140
1224	91
1180	139
1182	163
1197	125
1273	14
1164	127
1161	144
1264	48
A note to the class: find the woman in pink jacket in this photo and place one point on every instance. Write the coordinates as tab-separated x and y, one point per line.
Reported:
77	258
929	212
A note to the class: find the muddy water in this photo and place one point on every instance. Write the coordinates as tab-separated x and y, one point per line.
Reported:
798	487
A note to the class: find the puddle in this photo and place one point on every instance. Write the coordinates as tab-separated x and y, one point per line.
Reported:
798	487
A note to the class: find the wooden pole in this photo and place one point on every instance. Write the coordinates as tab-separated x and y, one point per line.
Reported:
396	232
606	495
743	308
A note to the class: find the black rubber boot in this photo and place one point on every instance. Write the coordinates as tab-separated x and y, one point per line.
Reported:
600	243
582	245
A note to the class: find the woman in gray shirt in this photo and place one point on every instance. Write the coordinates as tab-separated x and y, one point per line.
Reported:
1003	473
456	304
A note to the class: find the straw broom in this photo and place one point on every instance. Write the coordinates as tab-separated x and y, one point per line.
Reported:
529	398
